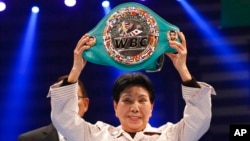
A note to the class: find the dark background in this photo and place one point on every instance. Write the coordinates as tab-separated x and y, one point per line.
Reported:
58	30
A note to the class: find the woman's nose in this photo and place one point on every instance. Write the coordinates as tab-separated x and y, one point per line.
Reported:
134	107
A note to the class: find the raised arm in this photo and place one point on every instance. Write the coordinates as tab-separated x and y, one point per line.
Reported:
64	99
197	113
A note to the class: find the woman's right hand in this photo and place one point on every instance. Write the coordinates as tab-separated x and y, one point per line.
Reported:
79	62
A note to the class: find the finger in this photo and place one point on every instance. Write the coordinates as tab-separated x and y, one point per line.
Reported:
176	45
182	38
85	47
171	56
81	49
84	39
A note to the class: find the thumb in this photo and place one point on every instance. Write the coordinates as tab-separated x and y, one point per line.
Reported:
170	55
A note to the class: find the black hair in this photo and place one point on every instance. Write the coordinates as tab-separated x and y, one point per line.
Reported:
132	79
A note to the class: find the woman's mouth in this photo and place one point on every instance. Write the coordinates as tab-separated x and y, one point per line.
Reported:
134	118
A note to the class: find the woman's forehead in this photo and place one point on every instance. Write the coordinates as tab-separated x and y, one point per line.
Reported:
135	91
134	94
136	88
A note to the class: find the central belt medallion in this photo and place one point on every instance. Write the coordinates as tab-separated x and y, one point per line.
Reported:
130	35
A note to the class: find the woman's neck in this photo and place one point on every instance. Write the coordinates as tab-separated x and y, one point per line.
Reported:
132	134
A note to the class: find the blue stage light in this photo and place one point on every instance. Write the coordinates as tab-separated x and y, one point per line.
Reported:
35	9
106	6
219	44
70	3
105	3
208	31
13	119
2	6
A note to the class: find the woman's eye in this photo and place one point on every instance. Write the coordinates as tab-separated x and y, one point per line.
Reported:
142	100
127	100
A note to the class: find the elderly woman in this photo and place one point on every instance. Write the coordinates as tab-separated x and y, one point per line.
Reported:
133	97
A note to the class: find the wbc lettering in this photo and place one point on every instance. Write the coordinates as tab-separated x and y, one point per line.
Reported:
139	41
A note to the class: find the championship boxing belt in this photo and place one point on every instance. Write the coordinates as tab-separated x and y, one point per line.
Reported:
131	37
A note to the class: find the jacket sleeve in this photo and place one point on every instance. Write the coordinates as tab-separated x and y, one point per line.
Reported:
64	113
196	116
197	112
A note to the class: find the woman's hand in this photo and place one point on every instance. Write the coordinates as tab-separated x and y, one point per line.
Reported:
79	62
179	59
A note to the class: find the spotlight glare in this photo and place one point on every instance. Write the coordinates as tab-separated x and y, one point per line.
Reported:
2	6
105	3
70	3
35	9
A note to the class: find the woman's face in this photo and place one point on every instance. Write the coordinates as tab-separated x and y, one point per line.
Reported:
134	108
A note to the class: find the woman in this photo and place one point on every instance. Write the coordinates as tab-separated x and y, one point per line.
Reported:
133	97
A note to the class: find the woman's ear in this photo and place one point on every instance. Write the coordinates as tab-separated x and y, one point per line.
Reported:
115	105
115	108
152	106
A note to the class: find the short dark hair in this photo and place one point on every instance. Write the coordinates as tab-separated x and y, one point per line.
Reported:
80	83
172	31
132	79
